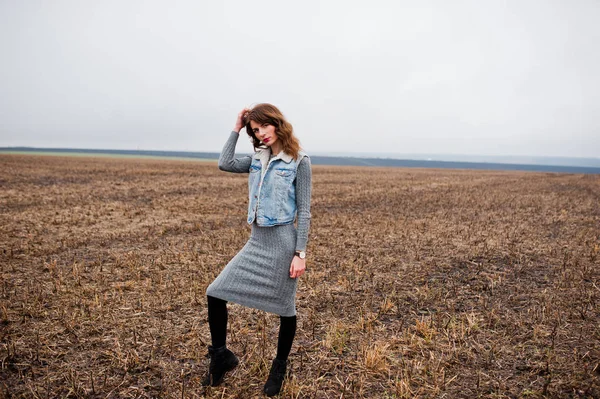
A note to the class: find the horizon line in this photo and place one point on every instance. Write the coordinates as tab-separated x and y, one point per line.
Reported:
355	154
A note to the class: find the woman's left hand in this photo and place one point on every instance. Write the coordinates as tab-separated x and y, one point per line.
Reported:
298	267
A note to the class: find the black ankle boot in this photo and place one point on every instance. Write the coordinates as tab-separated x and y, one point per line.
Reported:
276	376
221	361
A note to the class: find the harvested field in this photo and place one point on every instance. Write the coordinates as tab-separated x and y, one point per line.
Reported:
421	283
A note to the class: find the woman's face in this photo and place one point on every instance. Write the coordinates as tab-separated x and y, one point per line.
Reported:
264	132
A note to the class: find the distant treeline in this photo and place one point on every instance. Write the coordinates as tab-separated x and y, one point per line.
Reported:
326	160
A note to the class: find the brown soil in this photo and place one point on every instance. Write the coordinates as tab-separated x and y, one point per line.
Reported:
421	283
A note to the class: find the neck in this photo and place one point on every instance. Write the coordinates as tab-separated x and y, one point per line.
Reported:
276	148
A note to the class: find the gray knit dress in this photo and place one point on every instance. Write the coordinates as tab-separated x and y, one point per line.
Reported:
259	275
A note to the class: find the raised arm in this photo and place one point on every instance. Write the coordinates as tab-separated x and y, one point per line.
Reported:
303	194
227	162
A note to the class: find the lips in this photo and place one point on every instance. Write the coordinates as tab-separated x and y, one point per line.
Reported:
266	140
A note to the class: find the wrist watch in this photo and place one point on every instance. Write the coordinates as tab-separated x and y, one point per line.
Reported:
301	254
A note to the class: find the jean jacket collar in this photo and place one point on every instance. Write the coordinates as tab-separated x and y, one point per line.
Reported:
265	153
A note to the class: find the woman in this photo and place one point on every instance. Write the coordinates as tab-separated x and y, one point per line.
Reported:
264	274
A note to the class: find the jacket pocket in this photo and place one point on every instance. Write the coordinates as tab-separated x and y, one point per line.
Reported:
284	172
255	166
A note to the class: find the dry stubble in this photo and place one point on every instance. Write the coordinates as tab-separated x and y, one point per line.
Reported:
422	283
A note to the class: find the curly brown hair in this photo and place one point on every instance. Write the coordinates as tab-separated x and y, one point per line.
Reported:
270	114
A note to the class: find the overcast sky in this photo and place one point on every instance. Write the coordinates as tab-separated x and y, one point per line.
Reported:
517	77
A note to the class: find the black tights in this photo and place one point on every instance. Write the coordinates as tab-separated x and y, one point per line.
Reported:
217	321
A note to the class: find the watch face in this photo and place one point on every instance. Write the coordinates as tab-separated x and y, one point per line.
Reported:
302	254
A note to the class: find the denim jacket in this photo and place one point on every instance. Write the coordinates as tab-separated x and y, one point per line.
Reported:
271	188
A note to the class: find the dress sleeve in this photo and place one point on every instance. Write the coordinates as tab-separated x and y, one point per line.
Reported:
303	195
228	163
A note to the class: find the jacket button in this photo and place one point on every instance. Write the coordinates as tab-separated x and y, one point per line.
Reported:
255	196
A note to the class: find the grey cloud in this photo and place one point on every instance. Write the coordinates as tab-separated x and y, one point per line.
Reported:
462	77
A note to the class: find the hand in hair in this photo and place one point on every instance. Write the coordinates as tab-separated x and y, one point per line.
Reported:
241	120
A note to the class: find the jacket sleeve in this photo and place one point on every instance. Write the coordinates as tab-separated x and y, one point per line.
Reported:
303	195
228	163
